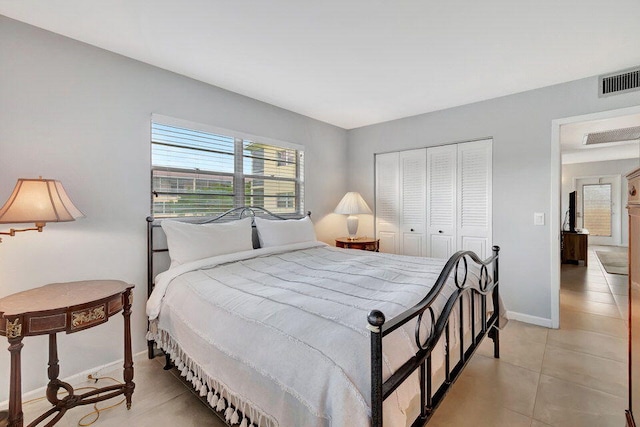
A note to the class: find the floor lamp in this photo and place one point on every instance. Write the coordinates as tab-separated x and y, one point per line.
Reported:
36	201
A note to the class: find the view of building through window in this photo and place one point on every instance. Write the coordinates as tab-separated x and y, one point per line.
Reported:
197	173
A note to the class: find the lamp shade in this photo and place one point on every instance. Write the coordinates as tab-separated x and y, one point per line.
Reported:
352	204
38	201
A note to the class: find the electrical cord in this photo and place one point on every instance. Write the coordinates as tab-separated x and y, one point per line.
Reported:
96	411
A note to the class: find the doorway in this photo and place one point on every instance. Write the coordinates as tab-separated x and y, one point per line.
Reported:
581	153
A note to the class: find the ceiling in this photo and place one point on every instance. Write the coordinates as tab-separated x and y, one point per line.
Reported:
357	62
575	151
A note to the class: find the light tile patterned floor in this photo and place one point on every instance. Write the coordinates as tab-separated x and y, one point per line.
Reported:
574	376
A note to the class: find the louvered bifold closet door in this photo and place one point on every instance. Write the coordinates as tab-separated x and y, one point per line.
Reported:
441	201
474	197
388	202
413	218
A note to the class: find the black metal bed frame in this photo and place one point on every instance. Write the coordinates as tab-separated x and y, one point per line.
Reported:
457	267
429	400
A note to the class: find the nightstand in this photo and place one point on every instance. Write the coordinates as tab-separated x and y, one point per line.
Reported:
64	307
362	243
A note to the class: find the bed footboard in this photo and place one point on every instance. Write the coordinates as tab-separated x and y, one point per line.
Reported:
478	291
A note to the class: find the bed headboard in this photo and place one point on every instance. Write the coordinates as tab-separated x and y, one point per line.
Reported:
158	253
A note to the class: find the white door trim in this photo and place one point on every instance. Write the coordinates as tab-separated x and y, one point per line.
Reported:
556	188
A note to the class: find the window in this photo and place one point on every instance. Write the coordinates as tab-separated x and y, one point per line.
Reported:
596	208
286	200
202	173
285	157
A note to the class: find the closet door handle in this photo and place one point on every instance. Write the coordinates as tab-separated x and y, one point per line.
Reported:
440	231
412	229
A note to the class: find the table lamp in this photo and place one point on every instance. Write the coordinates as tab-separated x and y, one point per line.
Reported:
352	204
37	201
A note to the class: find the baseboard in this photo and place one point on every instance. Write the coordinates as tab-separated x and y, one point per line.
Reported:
77	378
527	318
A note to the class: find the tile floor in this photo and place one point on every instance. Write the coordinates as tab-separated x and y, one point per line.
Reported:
573	376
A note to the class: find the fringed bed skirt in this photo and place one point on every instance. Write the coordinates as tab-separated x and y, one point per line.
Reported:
233	408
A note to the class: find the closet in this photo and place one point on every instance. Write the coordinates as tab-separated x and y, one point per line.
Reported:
400	215
435	201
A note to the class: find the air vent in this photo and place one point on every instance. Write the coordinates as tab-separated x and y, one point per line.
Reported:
616	135
620	82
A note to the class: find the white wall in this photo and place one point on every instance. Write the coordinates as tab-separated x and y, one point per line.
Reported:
80	114
520	126
592	169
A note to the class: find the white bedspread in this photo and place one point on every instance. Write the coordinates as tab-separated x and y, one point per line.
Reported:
281	333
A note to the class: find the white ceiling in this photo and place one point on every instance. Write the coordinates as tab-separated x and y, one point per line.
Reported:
357	62
574	151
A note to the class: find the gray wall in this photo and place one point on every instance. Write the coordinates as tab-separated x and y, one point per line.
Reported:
591	169
520	126
82	115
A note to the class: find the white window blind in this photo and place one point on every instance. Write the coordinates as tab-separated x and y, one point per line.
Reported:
202	173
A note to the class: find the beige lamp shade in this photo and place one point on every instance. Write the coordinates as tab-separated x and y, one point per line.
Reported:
352	204
38	201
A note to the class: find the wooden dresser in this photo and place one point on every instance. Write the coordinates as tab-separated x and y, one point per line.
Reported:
634	296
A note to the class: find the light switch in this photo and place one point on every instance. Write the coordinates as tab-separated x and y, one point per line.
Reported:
538	218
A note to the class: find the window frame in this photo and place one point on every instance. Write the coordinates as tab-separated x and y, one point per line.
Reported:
595	229
239	175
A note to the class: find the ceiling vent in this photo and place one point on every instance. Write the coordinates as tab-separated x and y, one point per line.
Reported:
619	82
616	135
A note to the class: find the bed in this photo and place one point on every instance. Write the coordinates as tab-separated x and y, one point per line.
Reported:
282	330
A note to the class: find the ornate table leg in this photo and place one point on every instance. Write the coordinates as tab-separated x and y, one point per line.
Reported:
59	405
53	371
14	334
128	357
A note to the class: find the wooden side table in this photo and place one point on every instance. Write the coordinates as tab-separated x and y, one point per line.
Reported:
362	243
64	307
575	246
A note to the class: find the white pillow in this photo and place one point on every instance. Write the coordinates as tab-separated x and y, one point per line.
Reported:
284	232
191	242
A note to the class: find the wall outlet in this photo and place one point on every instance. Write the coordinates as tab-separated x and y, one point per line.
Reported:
538	218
